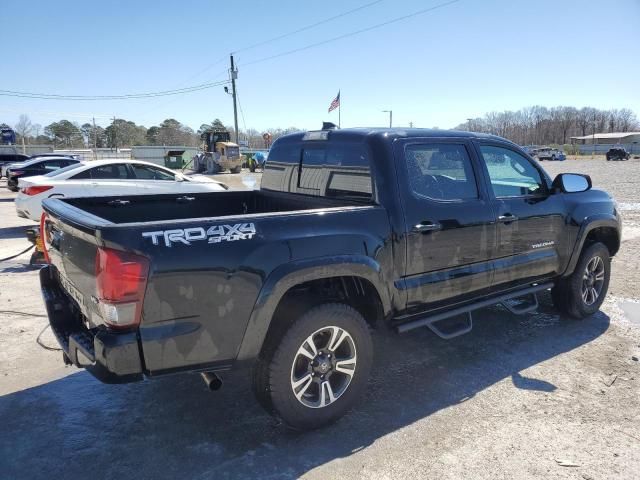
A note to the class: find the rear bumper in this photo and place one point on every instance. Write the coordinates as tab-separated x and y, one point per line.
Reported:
111	357
21	206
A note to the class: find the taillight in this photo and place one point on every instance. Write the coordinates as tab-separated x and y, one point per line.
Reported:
121	279
36	189
44	235
12	173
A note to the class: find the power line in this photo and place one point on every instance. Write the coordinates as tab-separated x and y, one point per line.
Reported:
351	34
242	114
308	27
174	98
164	93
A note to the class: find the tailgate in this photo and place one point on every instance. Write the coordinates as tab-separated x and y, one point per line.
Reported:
72	240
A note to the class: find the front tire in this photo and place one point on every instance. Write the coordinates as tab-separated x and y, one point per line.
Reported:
318	369
581	294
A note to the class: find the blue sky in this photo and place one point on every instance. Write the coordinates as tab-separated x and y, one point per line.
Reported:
436	69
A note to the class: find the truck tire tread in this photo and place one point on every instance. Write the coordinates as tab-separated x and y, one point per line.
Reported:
272	374
566	294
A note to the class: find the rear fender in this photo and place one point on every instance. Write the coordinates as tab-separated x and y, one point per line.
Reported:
282	279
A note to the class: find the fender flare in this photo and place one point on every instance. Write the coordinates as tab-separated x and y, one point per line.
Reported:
590	223
286	276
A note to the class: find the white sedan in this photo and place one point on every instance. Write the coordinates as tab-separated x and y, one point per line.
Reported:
103	178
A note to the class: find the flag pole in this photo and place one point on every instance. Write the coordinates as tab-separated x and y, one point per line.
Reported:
339	108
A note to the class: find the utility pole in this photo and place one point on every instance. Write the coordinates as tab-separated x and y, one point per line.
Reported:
390	112
115	134
234	75
593	138
95	140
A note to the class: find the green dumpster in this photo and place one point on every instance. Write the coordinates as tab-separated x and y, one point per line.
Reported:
173	159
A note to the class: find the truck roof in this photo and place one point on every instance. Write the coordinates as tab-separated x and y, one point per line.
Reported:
391	134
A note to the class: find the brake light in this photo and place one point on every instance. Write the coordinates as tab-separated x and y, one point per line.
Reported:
44	235
121	279
35	190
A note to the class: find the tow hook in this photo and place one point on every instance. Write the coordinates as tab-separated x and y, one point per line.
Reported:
213	381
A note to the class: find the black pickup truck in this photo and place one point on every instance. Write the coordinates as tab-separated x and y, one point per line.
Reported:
351	229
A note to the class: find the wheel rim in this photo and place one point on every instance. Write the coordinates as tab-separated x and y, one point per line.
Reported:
323	367
593	281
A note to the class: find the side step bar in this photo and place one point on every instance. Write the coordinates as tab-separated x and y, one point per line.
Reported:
430	321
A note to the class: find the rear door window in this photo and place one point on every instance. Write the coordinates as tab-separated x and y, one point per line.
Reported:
104	172
51	165
146	172
440	171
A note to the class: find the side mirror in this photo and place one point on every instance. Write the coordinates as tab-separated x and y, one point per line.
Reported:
572	182
179	178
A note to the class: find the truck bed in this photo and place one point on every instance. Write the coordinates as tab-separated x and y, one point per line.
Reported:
156	208
200	292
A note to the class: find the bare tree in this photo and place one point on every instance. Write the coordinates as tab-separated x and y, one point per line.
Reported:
627	120
24	127
567	120
545	126
585	119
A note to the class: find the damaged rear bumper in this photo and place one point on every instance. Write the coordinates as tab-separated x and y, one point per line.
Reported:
111	357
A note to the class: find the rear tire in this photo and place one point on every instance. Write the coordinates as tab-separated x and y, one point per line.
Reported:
581	294
236	169
318	369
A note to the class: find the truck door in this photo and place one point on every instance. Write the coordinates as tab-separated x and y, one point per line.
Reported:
532	242
449	221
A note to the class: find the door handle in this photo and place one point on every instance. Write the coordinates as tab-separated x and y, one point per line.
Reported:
507	218
427	227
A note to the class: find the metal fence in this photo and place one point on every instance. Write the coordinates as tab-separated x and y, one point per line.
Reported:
88	154
602	148
28	149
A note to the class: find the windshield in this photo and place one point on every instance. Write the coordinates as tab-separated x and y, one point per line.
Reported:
65	169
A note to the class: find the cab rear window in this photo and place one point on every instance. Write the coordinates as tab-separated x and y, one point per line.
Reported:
338	171
327	170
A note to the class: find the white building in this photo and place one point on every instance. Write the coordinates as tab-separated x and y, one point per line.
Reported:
601	142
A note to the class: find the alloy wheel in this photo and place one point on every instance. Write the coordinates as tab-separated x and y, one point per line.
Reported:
323	367
593	280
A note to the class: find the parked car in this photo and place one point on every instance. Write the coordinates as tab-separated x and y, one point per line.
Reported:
351	229
548	153
105	177
40	156
617	153
32	168
7	159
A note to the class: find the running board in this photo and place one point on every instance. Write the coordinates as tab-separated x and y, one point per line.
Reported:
431	321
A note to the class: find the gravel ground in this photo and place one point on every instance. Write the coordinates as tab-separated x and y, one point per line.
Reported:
533	396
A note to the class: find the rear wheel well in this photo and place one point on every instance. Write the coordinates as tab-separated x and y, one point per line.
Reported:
607	235
357	292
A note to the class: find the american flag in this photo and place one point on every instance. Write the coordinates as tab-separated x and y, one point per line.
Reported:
335	104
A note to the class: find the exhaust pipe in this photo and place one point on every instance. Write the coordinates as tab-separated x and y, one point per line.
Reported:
213	381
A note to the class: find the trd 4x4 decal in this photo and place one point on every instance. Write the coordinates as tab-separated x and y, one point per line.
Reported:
214	234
